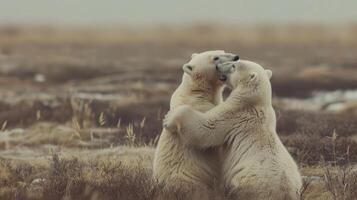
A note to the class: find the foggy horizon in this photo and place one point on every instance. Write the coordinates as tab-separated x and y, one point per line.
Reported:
92	13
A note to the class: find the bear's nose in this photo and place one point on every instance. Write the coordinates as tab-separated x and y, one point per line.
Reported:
236	58
222	77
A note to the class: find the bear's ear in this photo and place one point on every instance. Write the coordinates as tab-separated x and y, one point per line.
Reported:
269	73
187	68
193	55
233	68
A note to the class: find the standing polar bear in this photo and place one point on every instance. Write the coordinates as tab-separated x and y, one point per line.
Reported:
256	165
174	163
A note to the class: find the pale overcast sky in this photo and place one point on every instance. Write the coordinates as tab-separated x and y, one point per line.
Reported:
105	12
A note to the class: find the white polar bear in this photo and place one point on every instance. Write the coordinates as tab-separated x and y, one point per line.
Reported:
174	163
256	165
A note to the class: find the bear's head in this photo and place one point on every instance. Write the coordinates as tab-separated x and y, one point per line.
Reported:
202	68
249	80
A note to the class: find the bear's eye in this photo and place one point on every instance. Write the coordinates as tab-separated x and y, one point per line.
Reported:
216	58
252	76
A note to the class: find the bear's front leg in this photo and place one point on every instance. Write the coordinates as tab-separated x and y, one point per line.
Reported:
169	123
172	120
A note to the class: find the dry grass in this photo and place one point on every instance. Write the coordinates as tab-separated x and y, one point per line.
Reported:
74	179
308	135
343	184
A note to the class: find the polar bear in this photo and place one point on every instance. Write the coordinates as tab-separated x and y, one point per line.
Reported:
255	165
174	163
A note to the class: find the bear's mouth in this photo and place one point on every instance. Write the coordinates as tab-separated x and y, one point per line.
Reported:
222	77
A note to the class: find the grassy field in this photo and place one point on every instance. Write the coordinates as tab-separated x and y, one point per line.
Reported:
81	109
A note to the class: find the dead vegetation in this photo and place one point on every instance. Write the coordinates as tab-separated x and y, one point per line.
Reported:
342	184
74	178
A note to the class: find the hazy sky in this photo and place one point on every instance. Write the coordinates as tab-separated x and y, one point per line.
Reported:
93	12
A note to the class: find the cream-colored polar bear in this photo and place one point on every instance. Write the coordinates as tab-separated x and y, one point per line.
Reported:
174	163
255	165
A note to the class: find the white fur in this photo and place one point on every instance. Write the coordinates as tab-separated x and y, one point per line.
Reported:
256	165
174	162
